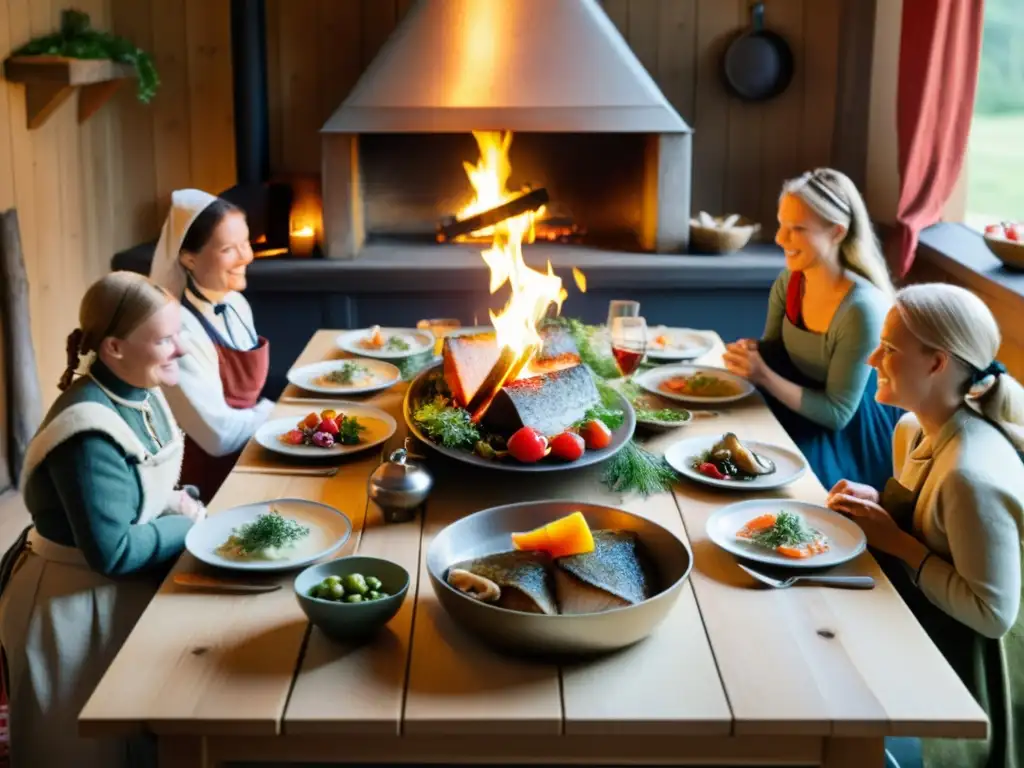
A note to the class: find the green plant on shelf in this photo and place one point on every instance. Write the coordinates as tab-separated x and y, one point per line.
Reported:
77	39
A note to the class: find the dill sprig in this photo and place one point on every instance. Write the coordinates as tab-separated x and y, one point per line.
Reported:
268	531
348	431
635	469
446	424
345	374
789	531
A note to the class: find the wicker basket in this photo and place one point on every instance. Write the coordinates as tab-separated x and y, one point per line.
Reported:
711	240
1009	252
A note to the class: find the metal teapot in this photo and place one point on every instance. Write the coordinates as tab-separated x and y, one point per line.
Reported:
399	487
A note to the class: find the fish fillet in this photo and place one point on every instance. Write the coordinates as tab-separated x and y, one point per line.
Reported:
523	577
614	575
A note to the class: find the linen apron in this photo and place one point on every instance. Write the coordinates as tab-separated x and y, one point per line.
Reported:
243	374
992	670
61	622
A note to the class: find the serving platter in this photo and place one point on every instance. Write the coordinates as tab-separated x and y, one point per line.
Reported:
652	379
418	341
620	436
307	377
380	426
329	529
789	465
488	531
846	539
684	344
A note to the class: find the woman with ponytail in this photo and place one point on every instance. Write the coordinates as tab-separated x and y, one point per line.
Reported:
825	312
948	526
100	480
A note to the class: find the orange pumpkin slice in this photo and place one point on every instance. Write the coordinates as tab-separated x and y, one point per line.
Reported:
569	535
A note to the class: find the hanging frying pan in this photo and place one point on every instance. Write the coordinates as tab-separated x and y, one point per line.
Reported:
758	64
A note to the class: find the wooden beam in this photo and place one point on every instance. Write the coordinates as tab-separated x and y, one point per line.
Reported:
665	211
853	89
344	214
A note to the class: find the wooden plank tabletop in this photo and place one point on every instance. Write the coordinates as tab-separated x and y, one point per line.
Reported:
731	659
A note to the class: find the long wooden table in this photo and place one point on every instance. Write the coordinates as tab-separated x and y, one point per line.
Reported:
736	675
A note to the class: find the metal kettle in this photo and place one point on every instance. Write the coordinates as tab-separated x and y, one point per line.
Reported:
399	487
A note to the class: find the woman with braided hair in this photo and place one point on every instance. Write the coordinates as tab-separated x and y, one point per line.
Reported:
100	480
949	524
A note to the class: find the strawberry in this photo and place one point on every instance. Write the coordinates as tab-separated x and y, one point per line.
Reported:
710	470
329	425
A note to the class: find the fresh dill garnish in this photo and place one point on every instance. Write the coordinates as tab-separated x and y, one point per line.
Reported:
662	414
635	469
447	424
603	365
268	531
613	418
346	373
348	431
397	343
789	531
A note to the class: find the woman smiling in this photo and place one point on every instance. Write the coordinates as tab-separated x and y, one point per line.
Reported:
825	312
202	258
950	523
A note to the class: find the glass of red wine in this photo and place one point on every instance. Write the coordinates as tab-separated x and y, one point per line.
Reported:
629	343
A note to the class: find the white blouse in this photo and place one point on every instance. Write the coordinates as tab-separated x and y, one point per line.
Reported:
198	401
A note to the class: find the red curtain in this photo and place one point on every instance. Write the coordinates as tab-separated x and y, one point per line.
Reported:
940	48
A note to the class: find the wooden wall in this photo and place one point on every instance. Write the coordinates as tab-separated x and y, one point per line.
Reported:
742	152
85	191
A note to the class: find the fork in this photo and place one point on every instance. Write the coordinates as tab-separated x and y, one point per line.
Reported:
851	582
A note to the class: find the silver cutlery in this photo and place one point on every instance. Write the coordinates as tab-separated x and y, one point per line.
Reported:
198	581
850	582
286	471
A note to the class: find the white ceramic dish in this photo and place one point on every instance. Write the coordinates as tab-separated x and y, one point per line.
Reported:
329	529
307	377
380	426
846	539
789	465
418	341
651	381
684	344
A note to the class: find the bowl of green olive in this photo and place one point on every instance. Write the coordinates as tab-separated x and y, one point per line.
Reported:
352	597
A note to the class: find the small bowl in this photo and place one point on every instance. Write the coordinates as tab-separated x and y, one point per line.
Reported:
352	621
1010	252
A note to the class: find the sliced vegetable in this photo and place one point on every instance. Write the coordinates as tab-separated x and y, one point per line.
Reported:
596	435
569	535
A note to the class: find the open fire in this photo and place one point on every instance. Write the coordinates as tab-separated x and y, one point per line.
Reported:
532	292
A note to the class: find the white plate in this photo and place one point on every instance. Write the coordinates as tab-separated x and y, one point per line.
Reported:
685	344
789	465
329	529
380	426
651	379
384	375
845	538
419	342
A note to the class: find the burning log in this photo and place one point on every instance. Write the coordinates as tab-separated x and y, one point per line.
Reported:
507	367
530	201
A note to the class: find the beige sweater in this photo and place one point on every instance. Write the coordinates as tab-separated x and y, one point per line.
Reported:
970	513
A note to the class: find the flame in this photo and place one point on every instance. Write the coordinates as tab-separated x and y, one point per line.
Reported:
533	292
306	231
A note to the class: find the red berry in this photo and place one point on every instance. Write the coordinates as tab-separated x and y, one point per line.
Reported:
1012	233
527	445
596	435
330	426
294	437
567	445
709	469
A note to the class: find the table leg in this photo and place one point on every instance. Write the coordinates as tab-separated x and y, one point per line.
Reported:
182	752
844	752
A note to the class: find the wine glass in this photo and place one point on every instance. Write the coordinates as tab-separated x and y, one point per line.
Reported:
440	327
629	343
622	308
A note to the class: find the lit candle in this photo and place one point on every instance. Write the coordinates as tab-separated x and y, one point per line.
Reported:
302	241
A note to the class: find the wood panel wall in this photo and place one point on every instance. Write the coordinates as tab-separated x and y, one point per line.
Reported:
742	152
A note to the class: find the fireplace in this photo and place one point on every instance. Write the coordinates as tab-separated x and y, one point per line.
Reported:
588	125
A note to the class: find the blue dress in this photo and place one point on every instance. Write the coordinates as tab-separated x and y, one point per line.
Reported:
860	450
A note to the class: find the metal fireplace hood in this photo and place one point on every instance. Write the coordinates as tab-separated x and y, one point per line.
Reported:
549	66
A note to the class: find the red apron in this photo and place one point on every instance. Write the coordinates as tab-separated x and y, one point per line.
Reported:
243	373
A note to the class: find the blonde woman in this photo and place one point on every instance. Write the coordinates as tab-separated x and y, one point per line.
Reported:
950	523
100	480
825	313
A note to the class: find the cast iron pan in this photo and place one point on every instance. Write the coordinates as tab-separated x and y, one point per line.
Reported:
758	64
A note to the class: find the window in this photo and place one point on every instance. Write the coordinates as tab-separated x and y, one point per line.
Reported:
995	154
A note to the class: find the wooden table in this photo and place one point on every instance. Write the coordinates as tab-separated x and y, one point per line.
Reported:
736	674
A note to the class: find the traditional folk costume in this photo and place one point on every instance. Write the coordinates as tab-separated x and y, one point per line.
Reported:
225	367
99	480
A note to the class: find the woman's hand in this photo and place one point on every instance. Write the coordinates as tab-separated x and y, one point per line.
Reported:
856	490
187	506
745	360
881	530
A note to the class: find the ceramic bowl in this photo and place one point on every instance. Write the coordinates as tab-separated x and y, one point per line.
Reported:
352	621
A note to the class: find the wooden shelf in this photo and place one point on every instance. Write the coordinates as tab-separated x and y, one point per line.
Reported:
50	80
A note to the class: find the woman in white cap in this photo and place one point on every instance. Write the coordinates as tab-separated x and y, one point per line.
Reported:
202	258
949	525
101	482
825	312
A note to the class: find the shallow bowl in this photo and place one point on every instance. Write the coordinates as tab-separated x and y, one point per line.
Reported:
352	621
488	531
